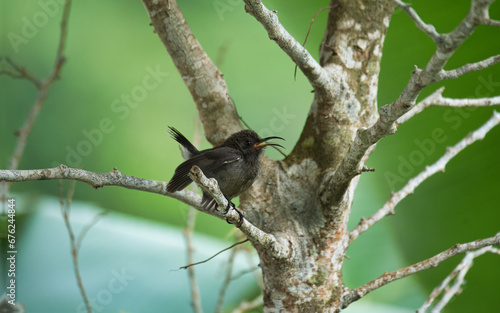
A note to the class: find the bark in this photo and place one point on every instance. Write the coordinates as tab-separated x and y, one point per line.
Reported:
291	199
204	81
296	213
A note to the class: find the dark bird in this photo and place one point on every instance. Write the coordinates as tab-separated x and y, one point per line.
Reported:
235	164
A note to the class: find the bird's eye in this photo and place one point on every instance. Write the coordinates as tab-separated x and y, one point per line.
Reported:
248	143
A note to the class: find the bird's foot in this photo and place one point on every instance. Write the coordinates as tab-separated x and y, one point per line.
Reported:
231	205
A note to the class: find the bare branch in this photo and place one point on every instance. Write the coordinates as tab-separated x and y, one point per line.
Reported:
65	207
279	249
116	178
188	235
204	81
385	125
21	72
43	89
245	306
309	31
468	68
317	76
459	272
492	23
193	282
98	180
413	183
87	227
213	256
437	99
227	280
429	29
357	293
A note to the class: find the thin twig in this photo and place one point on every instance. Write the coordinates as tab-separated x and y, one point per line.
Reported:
188	235
245	306
22	73
65	210
447	44
309	31
193	282
468	68
227	280
243	273
352	295
429	29
413	183
213	256
43	89
317	75
87	227
459	272
437	99
257	274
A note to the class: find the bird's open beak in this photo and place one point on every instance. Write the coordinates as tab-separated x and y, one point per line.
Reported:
262	143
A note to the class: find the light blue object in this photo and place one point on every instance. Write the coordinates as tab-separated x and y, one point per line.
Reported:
126	265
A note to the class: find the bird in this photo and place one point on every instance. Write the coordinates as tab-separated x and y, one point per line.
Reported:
235	164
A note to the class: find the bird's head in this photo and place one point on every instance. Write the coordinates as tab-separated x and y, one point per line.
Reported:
249	142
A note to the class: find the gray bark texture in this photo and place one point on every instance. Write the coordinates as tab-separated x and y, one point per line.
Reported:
296	213
302	203
294	200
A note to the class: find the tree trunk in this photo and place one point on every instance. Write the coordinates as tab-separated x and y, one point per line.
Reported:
292	199
295	200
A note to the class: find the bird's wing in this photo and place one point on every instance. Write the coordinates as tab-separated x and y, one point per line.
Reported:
208	161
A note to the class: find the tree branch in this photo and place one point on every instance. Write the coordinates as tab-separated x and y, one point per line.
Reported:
204	81
98	180
227	280
245	306
491	22
188	235
437	99
357	293
413	183
385	125
21	72
193	282
116	178
43	89
429	29
190	265
280	250
459	272
468	68
317	76
65	208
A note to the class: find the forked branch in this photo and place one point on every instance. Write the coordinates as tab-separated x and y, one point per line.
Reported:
447	44
43	87
317	76
278	248
437	99
413	183
357	293
455	288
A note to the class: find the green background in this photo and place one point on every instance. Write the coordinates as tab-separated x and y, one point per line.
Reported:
111	50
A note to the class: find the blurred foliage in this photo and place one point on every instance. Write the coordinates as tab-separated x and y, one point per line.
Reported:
113	55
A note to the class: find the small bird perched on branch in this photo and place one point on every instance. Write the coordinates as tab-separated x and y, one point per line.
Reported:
235	164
